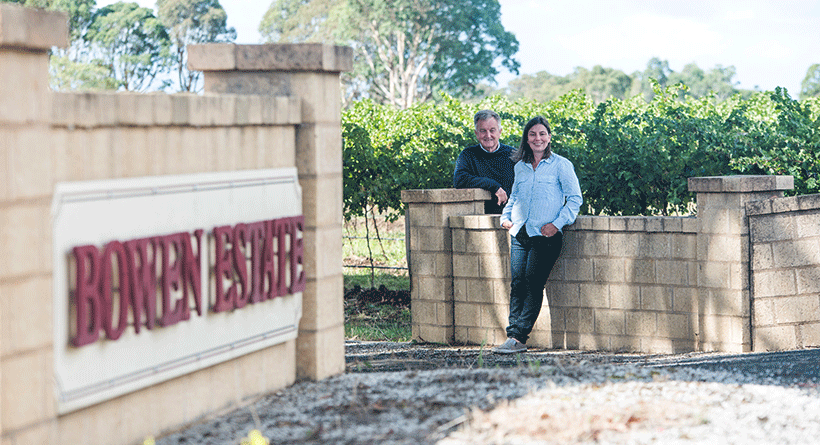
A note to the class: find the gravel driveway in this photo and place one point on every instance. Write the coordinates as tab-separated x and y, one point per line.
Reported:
400	393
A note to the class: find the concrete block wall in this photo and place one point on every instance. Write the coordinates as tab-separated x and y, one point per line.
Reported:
626	283
650	284
310	73
481	282
785	257
621	283
430	257
723	256
47	138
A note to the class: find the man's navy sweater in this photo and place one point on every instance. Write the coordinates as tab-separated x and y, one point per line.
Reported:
475	168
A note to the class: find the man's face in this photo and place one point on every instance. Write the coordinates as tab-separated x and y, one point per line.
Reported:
487	132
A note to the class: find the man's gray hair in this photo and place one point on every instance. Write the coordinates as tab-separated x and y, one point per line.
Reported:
483	115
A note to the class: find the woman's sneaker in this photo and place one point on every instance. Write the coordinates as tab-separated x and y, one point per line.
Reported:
511	346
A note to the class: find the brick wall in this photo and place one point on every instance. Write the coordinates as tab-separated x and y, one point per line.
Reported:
649	284
48	138
621	283
785	238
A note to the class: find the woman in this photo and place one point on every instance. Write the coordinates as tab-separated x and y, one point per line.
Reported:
545	197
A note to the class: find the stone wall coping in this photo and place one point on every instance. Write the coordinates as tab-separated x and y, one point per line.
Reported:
652	224
666	224
444	195
109	109
740	183
32	29
783	205
476	222
270	57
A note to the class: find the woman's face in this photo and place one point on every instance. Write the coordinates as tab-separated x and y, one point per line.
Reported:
538	137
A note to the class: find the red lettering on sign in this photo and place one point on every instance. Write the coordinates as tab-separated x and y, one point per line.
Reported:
114	251
223	236
281	229
142	262
297	274
192	270
253	262
89	312
256	238
240	237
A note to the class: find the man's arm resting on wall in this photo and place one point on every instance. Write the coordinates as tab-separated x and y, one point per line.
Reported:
464	178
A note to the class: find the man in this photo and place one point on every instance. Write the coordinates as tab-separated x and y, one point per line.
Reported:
488	164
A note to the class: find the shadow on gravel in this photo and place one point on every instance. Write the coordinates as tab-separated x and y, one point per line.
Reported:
785	368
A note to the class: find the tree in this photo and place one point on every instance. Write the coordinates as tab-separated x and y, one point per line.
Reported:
717	81
540	87
72	67
404	50
599	83
296	21
131	42
657	70
67	74
810	87
190	22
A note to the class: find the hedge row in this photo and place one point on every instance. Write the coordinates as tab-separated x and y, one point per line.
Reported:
632	157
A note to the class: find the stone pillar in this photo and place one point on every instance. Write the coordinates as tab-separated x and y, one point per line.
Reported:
26	183
723	257
430	257
481	283
309	72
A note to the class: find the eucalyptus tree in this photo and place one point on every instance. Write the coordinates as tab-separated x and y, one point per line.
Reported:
810	87
131	43
73	68
191	22
404	50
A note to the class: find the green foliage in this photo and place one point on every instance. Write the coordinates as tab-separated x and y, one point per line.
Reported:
124	46
296	21
599	83
632	157
810	87
377	322
131	42
602	83
191	22
70	75
404	50
788	143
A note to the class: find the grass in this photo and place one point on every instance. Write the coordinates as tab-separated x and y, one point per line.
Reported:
369	321
361	278
377	322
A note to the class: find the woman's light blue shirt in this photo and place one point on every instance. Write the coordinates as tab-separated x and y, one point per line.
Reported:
548	194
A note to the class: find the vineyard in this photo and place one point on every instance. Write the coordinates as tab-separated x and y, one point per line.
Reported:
632	157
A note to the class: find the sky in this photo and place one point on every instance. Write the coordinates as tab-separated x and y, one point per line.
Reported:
769	42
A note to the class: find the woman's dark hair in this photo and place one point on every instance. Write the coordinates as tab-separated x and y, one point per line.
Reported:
524	152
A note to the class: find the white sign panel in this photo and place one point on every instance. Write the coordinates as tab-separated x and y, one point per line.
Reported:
158	277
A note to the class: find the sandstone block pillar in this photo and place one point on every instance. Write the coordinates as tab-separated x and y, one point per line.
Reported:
723	257
430	256
309	72
26	181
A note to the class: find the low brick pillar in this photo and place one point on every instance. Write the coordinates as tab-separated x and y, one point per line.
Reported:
785	235
724	300
481	279
430	256
309	72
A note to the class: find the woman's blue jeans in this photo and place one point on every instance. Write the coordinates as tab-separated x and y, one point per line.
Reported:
531	261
